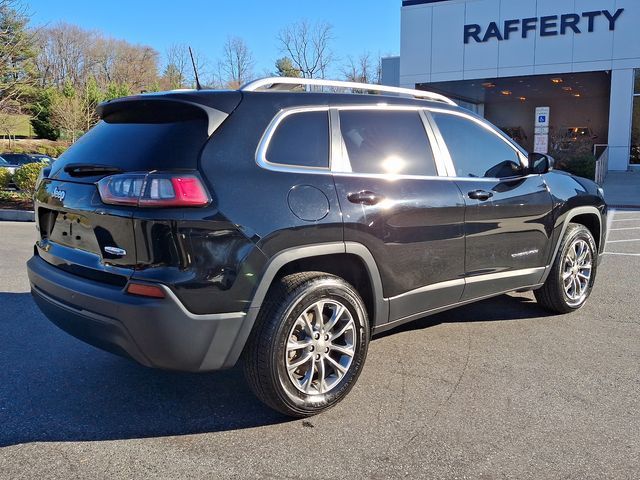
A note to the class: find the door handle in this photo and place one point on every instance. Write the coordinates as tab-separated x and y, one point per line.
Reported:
480	195
365	197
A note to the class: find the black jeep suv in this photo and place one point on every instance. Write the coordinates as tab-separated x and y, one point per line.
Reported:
284	226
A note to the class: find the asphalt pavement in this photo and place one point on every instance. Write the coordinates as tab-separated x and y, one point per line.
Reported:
498	389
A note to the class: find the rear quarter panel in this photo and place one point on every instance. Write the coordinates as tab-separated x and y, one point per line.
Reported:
253	200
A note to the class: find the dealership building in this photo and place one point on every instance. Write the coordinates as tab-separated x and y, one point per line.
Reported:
542	70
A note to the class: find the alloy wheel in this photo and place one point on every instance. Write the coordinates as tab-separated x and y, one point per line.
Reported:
320	347
576	271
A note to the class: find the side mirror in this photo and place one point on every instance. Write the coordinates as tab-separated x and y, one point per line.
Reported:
540	163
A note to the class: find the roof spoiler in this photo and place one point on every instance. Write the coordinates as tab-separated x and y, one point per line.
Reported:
171	106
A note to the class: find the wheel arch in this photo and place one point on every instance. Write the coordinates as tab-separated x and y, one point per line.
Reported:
588	216
349	260
311	253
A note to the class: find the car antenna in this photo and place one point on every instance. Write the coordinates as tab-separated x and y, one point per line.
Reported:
195	70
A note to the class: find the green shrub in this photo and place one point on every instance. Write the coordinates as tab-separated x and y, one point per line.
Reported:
27	175
51	149
5	178
57	151
581	166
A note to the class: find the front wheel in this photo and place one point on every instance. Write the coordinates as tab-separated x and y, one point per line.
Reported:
571	279
309	344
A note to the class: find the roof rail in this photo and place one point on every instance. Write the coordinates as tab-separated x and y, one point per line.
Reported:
289	83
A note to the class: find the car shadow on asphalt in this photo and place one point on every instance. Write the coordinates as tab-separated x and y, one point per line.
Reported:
56	388
502	308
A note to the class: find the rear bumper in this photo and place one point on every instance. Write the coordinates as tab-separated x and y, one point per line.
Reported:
155	332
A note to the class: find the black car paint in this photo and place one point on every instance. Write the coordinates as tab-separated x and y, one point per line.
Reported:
215	259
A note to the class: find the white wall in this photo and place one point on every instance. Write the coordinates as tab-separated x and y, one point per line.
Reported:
432	47
620	113
390	71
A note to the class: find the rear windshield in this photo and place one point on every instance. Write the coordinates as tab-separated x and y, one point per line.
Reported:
138	146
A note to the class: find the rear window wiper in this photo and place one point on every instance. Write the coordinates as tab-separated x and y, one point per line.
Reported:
90	169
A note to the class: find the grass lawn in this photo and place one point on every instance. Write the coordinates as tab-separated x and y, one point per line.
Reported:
22	126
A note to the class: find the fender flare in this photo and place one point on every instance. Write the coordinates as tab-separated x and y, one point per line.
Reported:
570	215
380	304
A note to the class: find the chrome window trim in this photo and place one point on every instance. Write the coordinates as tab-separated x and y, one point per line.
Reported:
390	178
339	165
438	157
445	156
343	160
524	161
267	136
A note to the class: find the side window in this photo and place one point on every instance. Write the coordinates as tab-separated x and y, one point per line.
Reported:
386	141
475	151
301	139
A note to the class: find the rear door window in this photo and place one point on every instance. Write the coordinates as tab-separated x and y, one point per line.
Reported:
387	142
301	139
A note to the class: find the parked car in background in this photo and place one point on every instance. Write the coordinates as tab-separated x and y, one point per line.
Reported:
16	160
41	157
13	161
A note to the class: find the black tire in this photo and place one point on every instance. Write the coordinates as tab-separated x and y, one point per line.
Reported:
266	355
553	296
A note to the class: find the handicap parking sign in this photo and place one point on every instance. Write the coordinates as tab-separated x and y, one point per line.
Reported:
542	116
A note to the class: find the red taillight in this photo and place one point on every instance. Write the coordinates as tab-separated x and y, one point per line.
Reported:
145	290
157	189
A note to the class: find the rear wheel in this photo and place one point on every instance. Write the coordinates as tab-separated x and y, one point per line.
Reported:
309	344
573	273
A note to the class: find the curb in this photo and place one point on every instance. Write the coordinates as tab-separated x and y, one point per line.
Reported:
17	215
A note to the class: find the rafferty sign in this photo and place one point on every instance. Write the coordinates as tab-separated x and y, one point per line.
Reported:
547	26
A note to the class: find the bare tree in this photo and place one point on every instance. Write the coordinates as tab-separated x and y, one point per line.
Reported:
177	68
119	62
308	47
69	114
178	72
68	53
236	65
9	123
363	69
64	54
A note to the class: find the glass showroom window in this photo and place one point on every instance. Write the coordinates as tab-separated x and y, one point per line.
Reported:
635	126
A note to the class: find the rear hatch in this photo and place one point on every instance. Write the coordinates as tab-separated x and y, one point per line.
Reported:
78	231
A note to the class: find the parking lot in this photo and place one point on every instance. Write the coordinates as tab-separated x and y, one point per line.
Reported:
498	389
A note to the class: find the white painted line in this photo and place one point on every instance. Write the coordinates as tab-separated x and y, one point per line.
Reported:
623	241
623	254
624	228
626	219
